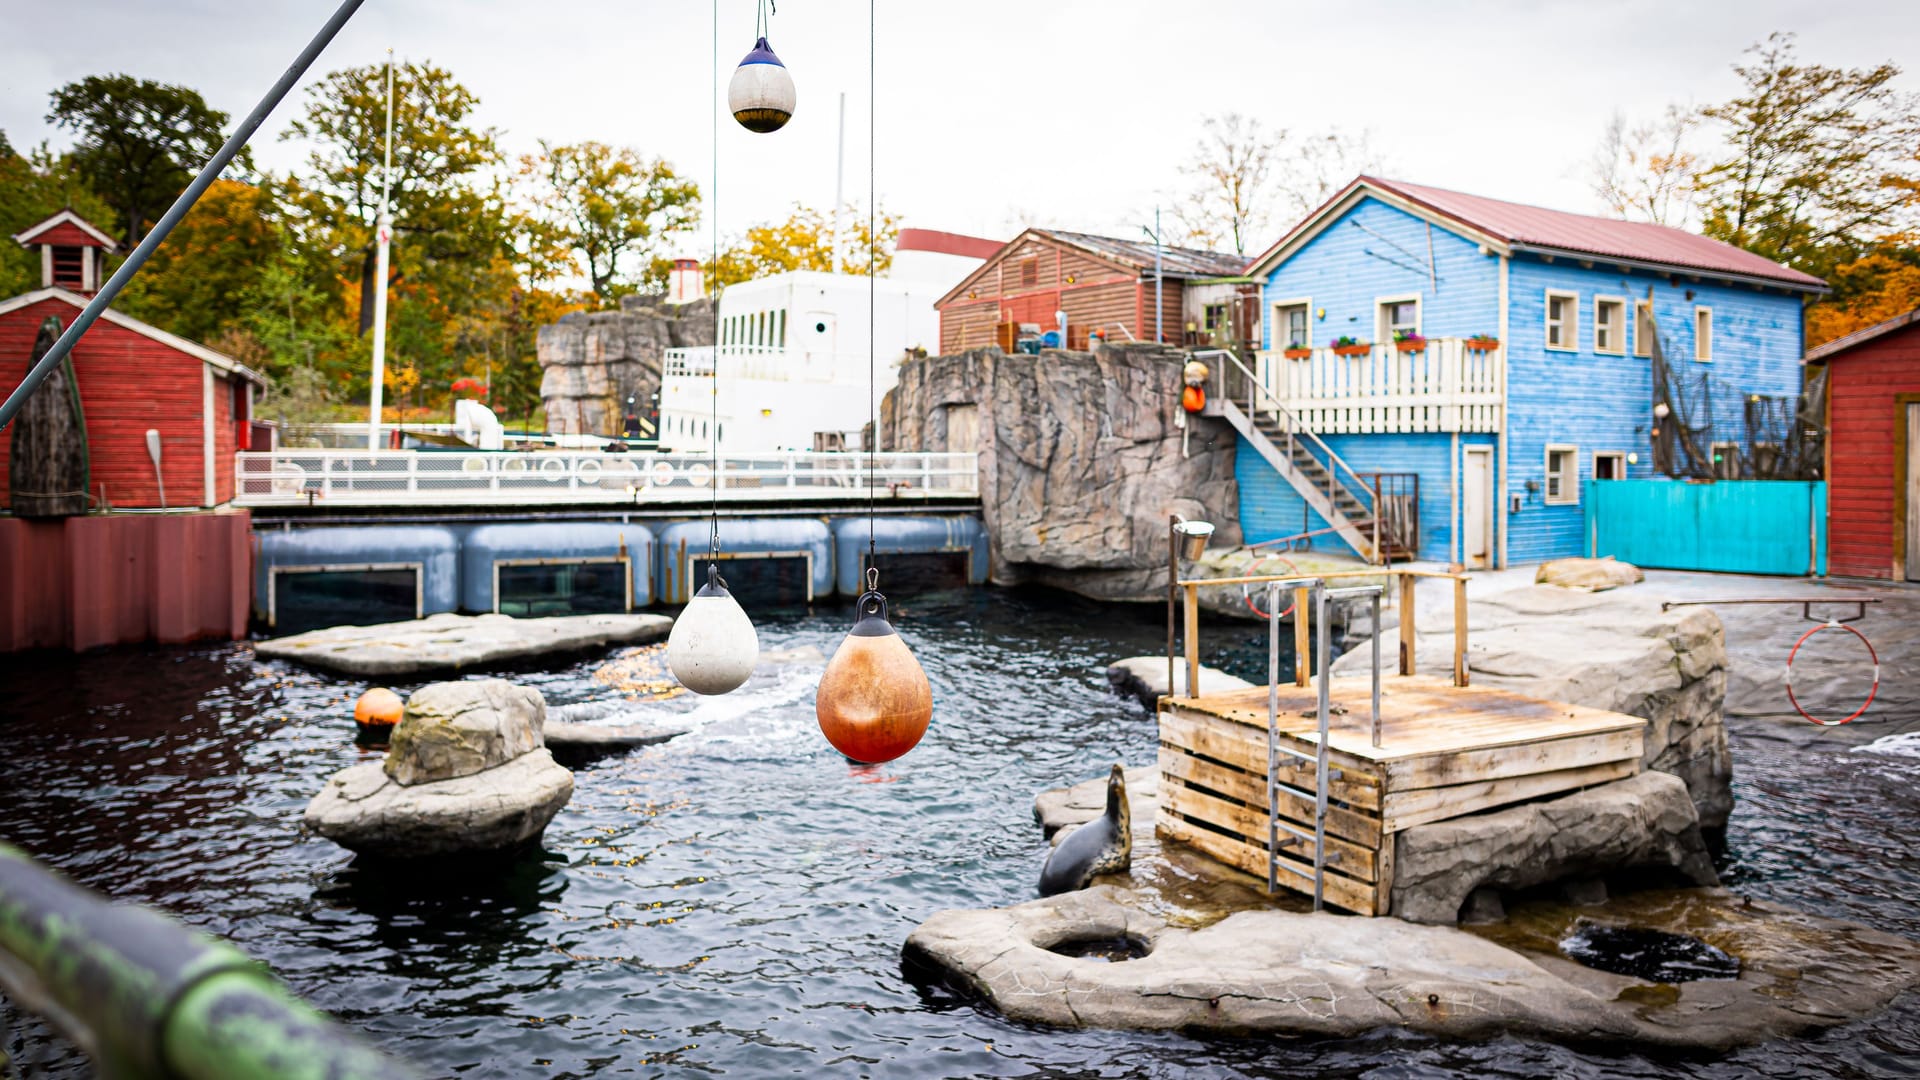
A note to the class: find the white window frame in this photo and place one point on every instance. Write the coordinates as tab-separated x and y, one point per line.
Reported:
1623	307
1569	492
1618	457
1570	341
1643	343
1277	307
1381	331
1702	344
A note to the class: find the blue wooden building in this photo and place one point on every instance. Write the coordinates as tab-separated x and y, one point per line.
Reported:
1444	371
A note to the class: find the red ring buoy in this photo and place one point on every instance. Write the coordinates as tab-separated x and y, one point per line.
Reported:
1246	592
1870	693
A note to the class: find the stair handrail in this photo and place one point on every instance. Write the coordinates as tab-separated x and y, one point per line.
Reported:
1257	389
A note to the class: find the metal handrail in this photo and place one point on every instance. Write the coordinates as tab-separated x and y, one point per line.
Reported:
1254	384
144	996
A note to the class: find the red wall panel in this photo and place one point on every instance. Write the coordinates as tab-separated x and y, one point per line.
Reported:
1864	418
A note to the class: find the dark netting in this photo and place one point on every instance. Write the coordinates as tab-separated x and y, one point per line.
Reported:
1706	429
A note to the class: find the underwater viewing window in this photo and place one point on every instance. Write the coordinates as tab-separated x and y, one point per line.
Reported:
924	571
535	587
302	598
762	580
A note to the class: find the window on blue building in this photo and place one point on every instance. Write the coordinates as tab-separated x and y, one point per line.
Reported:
1290	326
1643	328
1563	321
1609	325
1703	334
1563	474
1398	315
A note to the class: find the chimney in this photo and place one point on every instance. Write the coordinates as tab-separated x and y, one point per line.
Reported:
72	252
685	284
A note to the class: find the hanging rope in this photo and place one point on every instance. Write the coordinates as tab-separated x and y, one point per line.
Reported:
873	416
713	375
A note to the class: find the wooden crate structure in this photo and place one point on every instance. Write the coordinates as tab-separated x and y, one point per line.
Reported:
1445	751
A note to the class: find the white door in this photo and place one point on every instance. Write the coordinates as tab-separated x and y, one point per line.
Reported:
819	340
1476	503
1913	493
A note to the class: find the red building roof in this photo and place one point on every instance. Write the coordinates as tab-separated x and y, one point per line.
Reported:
1861	337
1520	226
65	227
946	243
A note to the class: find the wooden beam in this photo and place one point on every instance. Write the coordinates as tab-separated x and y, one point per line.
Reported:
1193	642
1460	631
1407	629
1302	647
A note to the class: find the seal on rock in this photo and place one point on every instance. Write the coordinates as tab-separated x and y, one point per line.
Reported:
1101	846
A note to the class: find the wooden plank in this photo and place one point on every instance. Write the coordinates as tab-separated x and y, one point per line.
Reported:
1244	748
1383	877
1193	642
1407	583
1354	860
1338	891
1406	809
1361	828
1460	631
1520	759
1302	649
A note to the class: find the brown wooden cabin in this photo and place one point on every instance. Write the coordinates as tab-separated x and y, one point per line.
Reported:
133	377
1106	287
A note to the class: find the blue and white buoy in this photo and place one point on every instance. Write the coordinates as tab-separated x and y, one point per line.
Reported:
761	93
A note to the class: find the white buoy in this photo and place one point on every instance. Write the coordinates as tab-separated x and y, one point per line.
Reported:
761	94
713	646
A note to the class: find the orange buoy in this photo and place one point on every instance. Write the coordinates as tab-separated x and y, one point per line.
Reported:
378	708
1193	399
874	701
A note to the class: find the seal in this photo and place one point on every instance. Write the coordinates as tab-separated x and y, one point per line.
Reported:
1101	846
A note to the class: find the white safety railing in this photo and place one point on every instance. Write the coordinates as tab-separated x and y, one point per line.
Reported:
354	436
768	362
461	478
1443	386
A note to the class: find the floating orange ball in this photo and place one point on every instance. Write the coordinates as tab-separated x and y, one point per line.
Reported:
378	708
874	701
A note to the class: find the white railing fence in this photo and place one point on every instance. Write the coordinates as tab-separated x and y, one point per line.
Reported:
770	362
1445	386
400	477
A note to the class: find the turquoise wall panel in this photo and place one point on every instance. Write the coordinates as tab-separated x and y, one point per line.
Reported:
1730	526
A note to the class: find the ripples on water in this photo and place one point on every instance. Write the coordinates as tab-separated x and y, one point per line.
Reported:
734	901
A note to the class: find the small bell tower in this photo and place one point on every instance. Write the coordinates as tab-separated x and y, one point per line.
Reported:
73	252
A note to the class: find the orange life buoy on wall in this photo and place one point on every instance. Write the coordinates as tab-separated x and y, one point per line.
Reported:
1193	399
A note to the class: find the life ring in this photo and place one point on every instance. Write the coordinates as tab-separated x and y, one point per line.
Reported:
1193	399
1246	587
661	474
1871	694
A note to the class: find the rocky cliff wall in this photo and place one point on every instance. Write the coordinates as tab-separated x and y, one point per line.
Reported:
1082	457
592	362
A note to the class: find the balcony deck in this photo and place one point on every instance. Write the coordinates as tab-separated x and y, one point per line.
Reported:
1445	386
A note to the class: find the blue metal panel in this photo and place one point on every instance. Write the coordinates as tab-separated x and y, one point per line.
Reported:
1730	526
684	542
487	544
907	536
435	550
1376	250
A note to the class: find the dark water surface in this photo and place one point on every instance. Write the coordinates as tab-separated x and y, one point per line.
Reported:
734	902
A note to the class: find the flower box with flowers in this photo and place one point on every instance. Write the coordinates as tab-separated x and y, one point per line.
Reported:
1482	343
1349	346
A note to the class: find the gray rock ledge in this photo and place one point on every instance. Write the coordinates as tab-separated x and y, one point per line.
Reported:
453	642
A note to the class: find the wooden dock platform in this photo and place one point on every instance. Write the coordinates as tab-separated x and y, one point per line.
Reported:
1445	751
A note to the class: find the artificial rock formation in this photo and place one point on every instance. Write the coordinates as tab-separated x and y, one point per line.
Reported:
449	642
467	772
1082	457
592	362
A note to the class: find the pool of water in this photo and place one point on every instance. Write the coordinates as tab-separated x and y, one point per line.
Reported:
734	901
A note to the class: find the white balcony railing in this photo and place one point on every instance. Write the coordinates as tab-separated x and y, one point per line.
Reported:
459	478
769	362
1445	386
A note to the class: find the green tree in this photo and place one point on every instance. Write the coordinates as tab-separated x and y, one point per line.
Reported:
802	242
438	154
1817	161
139	142
605	203
203	279
33	189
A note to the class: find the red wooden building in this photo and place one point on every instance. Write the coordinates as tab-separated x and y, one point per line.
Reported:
1104	286
1873	450
133	378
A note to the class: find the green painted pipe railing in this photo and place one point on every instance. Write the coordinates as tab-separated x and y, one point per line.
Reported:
144	996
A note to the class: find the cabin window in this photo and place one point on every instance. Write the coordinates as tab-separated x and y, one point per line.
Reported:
1397	315
1643	329
1726	460
1563	321
1214	319
1563	475
1609	465
1291	328
1609	325
1703	334
1029	273
780	328
70	267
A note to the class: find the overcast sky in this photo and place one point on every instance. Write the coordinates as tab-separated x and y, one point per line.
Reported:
1075	113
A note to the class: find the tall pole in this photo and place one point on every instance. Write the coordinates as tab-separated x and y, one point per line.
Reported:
1158	311
105	297
839	179
383	240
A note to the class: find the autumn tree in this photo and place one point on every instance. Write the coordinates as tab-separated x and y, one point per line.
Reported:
202	279
805	242
438	155
32	189
1241	174
606	204
1646	172
1814	158
139	142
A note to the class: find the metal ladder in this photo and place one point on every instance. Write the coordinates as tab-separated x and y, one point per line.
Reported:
1323	775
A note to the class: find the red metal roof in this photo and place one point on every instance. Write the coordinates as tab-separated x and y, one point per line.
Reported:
1538	226
946	243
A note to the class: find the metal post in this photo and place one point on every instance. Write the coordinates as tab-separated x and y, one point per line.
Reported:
1373	725
1323	658
383	242
1159	333
108	292
1273	737
1173	587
